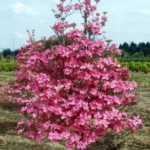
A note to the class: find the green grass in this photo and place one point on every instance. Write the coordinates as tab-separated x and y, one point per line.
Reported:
7	75
141	77
140	140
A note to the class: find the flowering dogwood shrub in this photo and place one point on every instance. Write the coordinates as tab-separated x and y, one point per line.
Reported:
73	92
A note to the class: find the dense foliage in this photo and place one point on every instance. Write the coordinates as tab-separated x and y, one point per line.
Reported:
135	52
137	66
7	65
73	92
8	53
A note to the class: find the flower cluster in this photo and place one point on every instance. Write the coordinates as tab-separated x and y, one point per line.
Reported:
73	92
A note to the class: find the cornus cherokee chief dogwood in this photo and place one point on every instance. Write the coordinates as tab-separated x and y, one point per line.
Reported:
72	92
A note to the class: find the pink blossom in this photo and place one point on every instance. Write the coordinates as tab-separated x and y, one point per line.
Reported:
72	91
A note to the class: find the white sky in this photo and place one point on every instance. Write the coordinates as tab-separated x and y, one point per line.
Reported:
128	20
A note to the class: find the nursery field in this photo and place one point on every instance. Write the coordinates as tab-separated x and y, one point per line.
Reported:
140	140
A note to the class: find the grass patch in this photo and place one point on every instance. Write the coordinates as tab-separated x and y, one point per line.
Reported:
16	142
140	77
7	75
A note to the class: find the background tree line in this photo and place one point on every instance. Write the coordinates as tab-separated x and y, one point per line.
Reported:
7	59
135	52
130	51
8	53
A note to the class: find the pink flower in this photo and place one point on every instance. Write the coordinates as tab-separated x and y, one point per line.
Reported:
78	6
71	91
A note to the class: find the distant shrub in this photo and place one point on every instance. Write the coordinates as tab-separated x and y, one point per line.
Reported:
125	64
137	66
0	68
6	65
145	68
132	66
148	64
6	68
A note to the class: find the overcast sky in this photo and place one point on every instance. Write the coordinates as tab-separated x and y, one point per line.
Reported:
128	20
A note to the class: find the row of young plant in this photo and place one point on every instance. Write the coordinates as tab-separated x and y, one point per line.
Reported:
137	66
7	65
